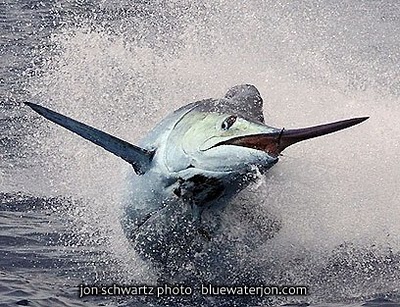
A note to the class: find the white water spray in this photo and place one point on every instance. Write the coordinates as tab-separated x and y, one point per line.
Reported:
312	62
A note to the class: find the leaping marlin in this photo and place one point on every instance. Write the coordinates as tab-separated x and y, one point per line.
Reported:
194	161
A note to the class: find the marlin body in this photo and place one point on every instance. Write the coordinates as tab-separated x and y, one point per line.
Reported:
188	168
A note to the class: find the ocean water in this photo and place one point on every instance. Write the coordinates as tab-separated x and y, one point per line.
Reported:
122	66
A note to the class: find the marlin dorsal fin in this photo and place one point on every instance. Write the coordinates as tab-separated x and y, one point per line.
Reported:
138	157
243	100
246	99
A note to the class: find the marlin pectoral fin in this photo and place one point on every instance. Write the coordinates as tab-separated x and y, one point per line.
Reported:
196	213
138	157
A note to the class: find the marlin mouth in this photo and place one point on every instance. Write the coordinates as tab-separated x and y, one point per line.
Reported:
274	143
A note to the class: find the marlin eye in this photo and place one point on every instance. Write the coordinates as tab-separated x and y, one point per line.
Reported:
228	122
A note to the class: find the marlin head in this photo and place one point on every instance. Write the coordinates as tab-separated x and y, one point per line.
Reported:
273	141
230	134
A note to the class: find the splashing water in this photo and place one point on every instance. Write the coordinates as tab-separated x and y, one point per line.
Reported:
122	67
